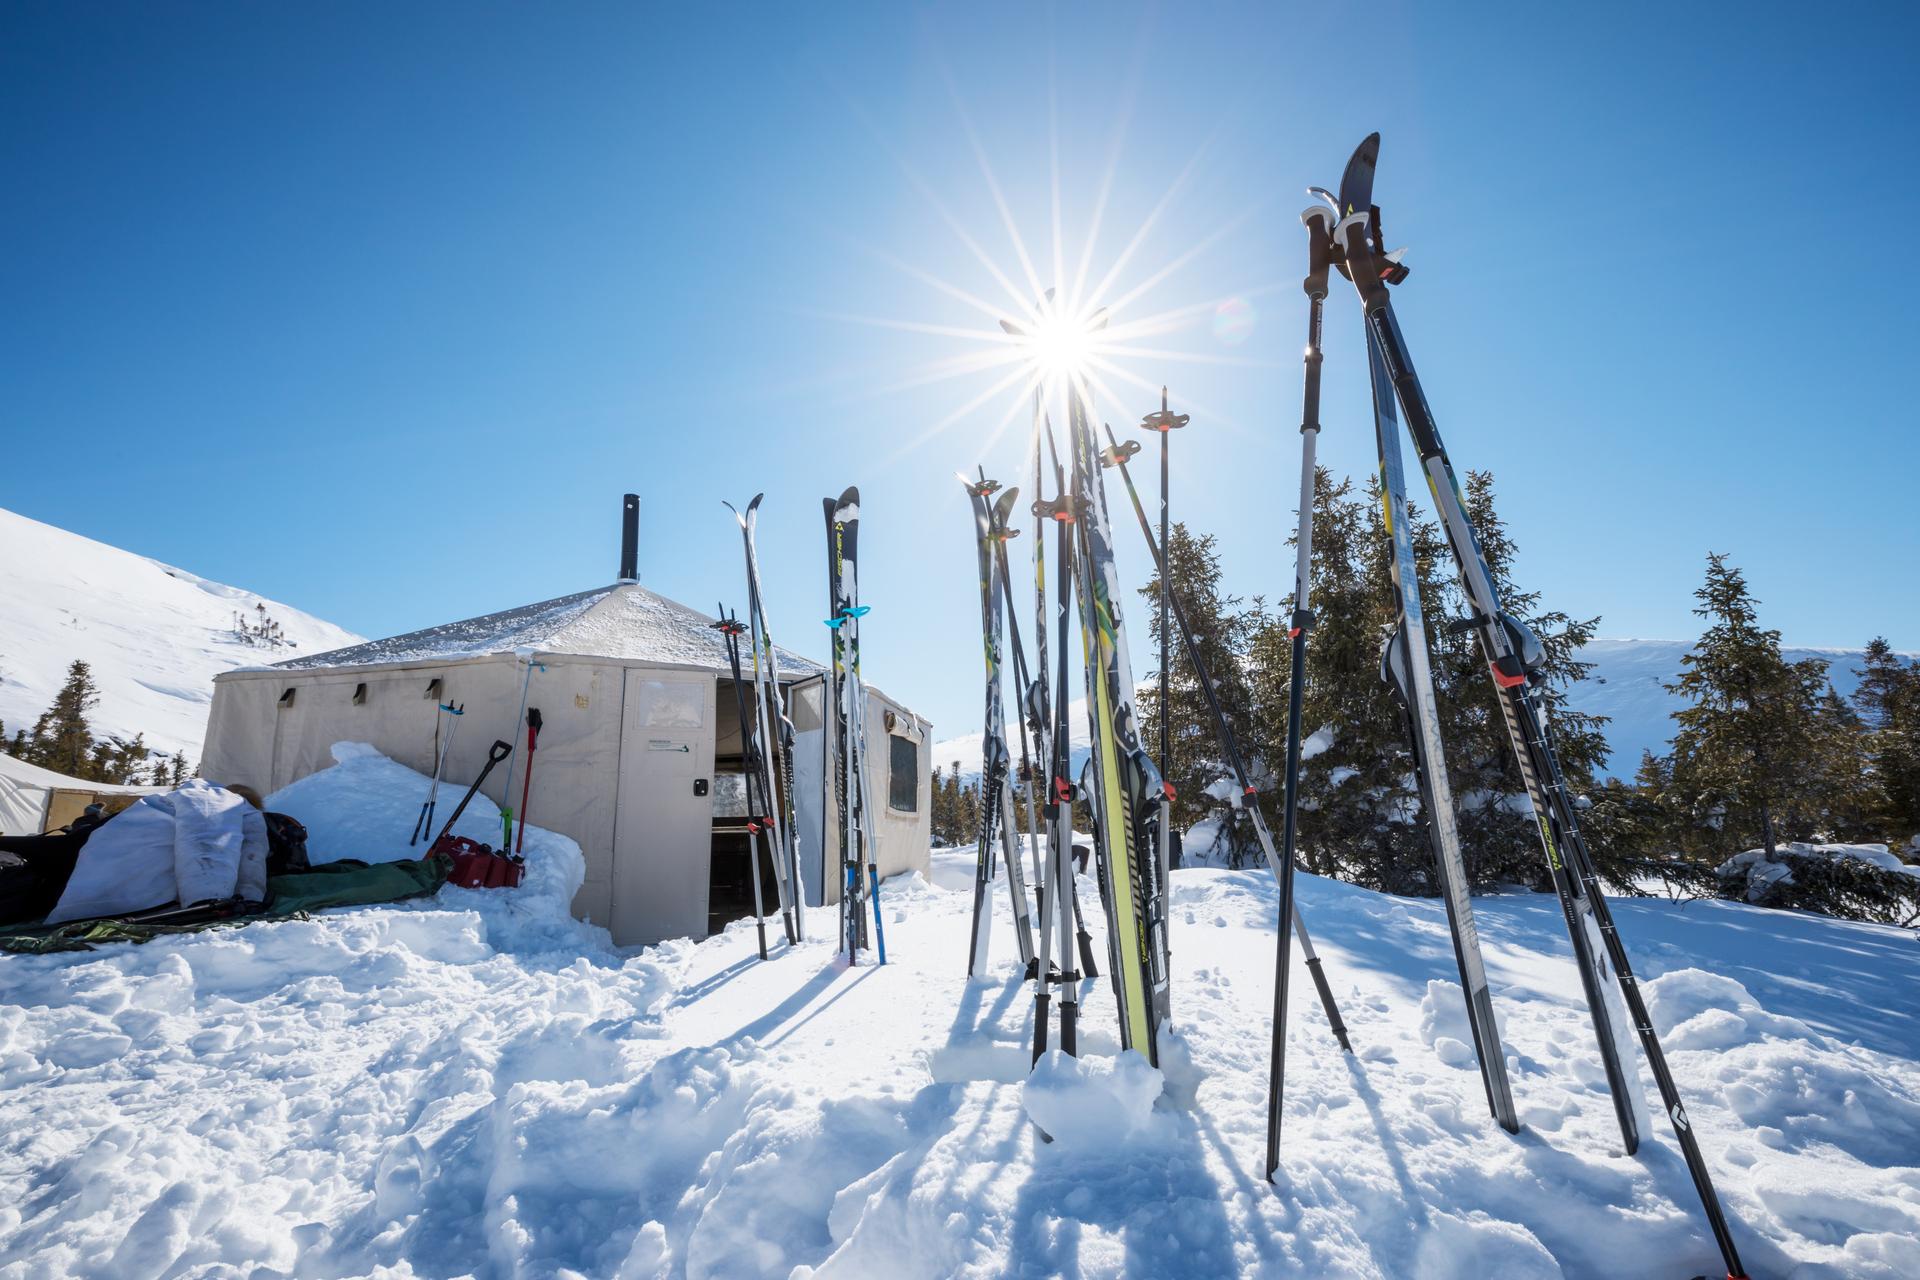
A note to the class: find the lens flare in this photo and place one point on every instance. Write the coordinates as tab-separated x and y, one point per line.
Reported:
1233	322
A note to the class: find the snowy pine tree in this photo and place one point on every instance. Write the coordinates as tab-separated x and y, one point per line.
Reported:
1221	631
1762	753
1888	703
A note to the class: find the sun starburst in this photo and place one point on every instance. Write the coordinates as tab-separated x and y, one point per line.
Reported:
1046	337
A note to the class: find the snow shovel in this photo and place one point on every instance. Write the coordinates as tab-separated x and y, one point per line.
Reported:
500	750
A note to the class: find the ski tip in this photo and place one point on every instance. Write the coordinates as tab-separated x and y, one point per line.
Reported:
1356	184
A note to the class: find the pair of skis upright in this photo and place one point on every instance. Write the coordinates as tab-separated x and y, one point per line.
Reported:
847	775
998	829
766	753
1129	794
1513	654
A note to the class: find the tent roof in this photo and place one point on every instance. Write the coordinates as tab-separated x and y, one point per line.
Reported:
625	621
20	772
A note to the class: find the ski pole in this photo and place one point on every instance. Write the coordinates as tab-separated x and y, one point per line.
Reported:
499	751
526	779
506	810
424	823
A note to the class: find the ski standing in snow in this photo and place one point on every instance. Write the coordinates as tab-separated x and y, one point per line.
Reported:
775	753
846	780
1513	657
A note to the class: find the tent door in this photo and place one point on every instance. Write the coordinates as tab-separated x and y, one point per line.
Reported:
663	826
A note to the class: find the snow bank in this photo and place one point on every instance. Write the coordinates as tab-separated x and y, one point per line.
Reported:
1760	873
364	807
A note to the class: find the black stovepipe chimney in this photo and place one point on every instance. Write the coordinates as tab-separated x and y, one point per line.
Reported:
630	539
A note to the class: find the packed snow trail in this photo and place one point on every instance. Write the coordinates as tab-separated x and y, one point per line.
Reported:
475	1084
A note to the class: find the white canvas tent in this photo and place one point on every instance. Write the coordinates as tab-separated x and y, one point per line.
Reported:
639	757
34	800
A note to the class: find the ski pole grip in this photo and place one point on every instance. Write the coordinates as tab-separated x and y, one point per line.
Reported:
1318	221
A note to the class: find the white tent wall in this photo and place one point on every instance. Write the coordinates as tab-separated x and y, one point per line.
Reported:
902	835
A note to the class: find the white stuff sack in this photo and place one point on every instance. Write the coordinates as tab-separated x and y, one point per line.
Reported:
197	843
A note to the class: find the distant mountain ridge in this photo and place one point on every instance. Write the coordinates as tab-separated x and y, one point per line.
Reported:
1627	685
155	635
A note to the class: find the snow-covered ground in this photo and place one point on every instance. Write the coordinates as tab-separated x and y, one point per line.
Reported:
476	1084
156	635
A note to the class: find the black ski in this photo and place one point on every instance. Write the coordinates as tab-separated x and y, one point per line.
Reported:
1512	654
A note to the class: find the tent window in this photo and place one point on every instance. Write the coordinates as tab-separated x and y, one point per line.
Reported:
360	694
286	699
433	689
903	777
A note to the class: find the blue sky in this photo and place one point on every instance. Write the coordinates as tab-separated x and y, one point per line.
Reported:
378	309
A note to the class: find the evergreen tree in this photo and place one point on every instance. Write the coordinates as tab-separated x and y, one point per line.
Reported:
1496	825
1358	798
967	812
1761	753
62	738
1888	703
178	774
1221	631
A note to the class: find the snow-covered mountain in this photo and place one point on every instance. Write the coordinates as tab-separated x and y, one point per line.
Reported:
1627	685
155	635
966	748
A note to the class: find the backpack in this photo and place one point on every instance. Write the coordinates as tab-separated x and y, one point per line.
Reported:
286	845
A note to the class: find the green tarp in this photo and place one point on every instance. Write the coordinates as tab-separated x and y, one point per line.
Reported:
331	884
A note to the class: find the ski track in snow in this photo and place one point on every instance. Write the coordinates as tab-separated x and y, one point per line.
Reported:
474	1084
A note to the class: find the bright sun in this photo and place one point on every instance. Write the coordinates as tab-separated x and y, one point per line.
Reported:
1062	344
1052	331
